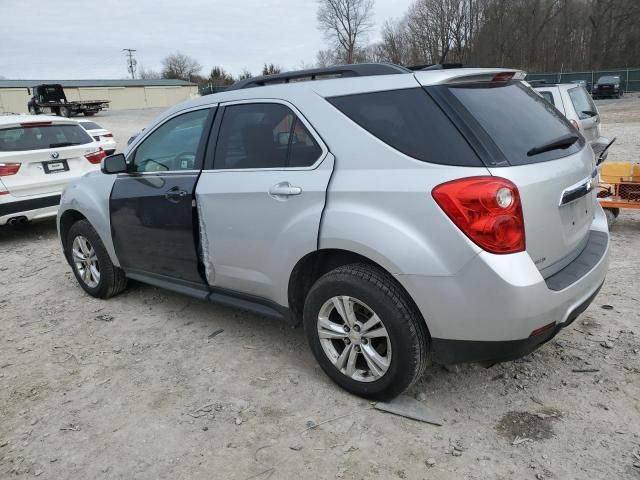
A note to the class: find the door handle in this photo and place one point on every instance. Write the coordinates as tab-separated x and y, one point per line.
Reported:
284	189
175	195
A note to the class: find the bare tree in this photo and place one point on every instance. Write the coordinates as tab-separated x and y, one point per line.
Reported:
326	58
345	23
244	75
148	74
181	66
271	69
219	77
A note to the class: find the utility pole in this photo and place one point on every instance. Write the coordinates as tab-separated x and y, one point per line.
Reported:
131	61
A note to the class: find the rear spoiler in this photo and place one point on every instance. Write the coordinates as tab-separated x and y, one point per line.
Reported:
469	75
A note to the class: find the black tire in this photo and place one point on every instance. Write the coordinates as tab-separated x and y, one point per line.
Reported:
112	279
406	329
64	112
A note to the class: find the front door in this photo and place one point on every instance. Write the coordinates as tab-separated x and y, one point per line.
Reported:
262	201
152	207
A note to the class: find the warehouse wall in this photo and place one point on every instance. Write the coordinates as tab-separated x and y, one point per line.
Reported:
15	100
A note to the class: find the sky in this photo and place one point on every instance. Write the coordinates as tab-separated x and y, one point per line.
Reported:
76	39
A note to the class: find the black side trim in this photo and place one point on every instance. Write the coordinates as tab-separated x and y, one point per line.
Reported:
449	352
589	257
249	303
26	205
179	286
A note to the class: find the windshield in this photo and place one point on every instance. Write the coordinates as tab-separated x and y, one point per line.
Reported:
90	126
42	137
609	79
517	120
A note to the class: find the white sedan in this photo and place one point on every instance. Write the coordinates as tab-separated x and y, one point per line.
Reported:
101	135
39	155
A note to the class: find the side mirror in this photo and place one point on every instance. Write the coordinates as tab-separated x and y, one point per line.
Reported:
114	164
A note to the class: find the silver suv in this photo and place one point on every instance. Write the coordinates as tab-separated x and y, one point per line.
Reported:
399	216
575	103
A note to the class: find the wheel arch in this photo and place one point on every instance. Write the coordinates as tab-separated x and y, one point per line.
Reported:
315	264
66	221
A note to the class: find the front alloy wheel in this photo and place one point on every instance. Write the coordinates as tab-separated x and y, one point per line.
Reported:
354	339
85	261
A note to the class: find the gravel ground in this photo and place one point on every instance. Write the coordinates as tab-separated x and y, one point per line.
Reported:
134	388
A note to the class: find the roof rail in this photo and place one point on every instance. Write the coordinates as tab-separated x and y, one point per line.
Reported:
338	71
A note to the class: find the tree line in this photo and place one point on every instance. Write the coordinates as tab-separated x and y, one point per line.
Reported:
534	35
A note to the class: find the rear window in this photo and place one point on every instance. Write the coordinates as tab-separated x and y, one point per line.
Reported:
582	102
42	137
516	119
90	126
411	122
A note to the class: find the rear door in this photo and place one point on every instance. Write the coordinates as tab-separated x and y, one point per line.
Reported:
49	155
586	111
556	186
152	208
261	197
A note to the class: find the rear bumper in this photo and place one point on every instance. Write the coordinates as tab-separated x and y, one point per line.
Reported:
490	308
449	352
29	207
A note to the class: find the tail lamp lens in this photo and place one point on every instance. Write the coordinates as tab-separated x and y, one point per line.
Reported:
7	169
95	157
108	135
487	210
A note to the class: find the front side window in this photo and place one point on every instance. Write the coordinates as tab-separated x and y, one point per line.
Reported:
42	137
173	146
585	108
263	135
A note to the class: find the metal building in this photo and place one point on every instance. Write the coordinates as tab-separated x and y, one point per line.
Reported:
123	94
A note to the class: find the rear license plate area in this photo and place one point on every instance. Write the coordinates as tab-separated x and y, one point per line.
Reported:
55	166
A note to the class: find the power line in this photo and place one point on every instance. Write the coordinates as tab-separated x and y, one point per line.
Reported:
131	61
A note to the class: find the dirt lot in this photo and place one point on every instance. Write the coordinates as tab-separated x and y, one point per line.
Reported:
133	388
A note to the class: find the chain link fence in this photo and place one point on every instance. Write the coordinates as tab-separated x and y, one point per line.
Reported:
629	77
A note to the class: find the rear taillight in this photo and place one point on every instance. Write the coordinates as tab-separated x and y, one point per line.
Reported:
34	124
95	157
575	124
108	135
7	169
487	210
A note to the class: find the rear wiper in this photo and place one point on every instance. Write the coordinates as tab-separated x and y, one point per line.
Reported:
563	142
61	144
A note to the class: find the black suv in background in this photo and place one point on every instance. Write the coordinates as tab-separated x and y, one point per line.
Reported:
608	86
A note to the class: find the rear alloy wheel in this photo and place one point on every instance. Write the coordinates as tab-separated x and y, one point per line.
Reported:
354	338
365	332
91	264
65	112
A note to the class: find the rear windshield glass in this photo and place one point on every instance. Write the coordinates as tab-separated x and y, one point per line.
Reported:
609	80
582	102
409	121
42	137
90	126
517	119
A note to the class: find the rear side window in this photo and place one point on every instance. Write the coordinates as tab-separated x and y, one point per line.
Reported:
42	137
582	102
264	135
517	120
409	121
548	96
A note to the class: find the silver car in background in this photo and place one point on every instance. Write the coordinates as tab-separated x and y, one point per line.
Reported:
575	103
